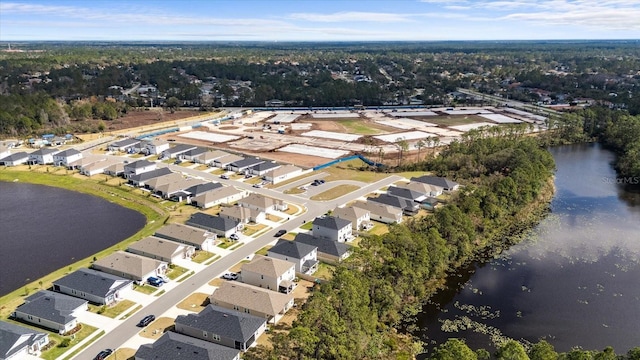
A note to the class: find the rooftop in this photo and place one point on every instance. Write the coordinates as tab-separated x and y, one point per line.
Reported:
172	345
292	249
224	322
268	266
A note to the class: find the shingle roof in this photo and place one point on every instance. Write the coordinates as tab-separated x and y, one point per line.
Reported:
227	159
421	187
44	151
265	265
150	174
239	212
251	297
325	246
394	201
172	345
212	155
380	209
331	222
247	162
93	282
202	188
258	200
216	194
68	152
51	306
127	263
184	233
224	322
14	338
179	149
16	156
139	164
153	183
292	249
195	151
436	180
211	222
157	246
286	169
266	166
125	142
404	193
350	212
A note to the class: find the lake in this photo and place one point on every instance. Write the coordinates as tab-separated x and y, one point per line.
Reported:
574	281
45	228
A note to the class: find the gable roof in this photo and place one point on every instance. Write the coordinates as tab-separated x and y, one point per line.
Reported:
93	282
184	233
247	162
266	166
151	174
258	200
179	149
394	201
16	156
436	180
224	322
239	212
227	159
172	345
251	297
156	246
212	155
44	151
175	186
421	187
68	152
128	263
350	212
216	194
292	249
139	164
115	168
207	221
404	193
265	265
125	142
286	169
14	338
325	246
195	151
159	180
380	209
331	222
202	188
51	306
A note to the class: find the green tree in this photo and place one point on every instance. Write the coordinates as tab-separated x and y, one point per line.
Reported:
454	349
542	350
512	350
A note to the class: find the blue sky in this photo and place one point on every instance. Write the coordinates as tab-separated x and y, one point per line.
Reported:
311	20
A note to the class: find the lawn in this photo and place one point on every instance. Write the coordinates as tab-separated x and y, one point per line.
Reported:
348	170
202	256
57	351
358	127
454	120
264	250
293	210
112	311
307	226
294	191
157	328
226	244
253	229
194	302
145	289
325	271
274	218
335	192
378	229
176	271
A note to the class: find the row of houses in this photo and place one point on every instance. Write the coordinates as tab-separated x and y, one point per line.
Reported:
44	156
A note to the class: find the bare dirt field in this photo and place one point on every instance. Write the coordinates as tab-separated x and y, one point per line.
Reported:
138	118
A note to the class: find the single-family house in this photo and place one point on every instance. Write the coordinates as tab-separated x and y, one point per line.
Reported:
176	151
15	159
152	182
198	238
175	190
66	157
381	212
223	162
249	299
161	249
172	345
93	167
222	195
283	173
438	181
269	273
329	251
141	179
42	156
18	342
243	165
155	147
263	168
408	207
332	228
194	153
209	157
202	188
51	310
304	256
222	326
218	225
123	145
405	193
427	189
138	167
130	266
360	218
4	151
263	203
116	169
242	215
94	286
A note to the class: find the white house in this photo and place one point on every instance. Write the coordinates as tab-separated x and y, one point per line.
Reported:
333	228
282	174
263	203
269	273
161	249
155	147
360	218
198	238
138	167
42	156
130	266
94	286
223	195
304	256
19	342
51	310
15	159
66	157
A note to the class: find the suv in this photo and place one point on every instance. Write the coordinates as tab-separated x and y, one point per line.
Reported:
103	354
281	232
155	281
234	236
146	320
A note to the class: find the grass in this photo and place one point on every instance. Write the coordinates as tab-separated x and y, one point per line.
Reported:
225	244
273	218
135	310
307	226
335	192
56	351
379	229
76	351
145	289
186	277
410	174
160	293
213	260
252	229
348	170
176	271
194	302
325	271
263	251
294	191
112	311
254	180
236	246
292	210
202	167
358	127
202	256
157	328
454	120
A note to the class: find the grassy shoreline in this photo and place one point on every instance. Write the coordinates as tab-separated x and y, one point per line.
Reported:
154	214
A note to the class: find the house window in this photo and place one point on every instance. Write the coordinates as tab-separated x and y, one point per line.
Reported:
262	277
204	334
247	311
236	307
215	337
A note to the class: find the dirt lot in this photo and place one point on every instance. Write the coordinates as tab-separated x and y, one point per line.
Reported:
138	118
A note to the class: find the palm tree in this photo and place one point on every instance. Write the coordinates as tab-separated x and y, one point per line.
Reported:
419	145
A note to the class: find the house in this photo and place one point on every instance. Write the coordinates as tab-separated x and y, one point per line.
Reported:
176	151
244	164
42	156
116	169
263	168
66	157
198	238
4	151
90	168
123	145
304	256
190	155
222	326
329	251
94	286
249	299
408	207
141	179
381	212
202	188
332	228
269	273
360	218
175	190
15	159
138	167
161	249
218	225
152	182
263	203
154	147
242	215
223	162
222	195
172	345
18	342
51	310
130	266
438	181
283	173
209	157
427	189
408	194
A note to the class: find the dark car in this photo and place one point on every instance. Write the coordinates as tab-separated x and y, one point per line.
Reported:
281	232
146	320
103	354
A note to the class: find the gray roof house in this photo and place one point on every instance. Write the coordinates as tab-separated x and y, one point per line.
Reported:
332	228
407	193
154	182
223	161
202	188
94	286
264	168
408	207
329	251
263	203
428	189
51	310
241	214
381	212
172	345
123	145
198	238
66	157
360	218
17	342
244	164
130	266
15	159
209	157
138	167
303	255
142	178
161	249
42	156
177	150
444	183
218	225
221	195
222	326
267	304
175	190
192	154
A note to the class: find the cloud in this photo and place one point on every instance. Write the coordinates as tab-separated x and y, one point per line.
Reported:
351	16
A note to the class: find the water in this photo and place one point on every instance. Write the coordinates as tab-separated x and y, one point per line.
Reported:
573	282
45	228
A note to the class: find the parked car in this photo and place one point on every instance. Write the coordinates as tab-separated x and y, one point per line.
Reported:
234	237
154	281
146	320
103	354
248	176
257	185
281	232
177	162
223	176
230	276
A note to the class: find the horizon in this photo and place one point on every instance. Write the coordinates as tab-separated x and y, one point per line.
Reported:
319	21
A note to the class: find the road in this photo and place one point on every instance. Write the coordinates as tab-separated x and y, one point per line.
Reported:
535	109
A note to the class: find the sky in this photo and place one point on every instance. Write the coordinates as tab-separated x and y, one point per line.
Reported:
313	20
